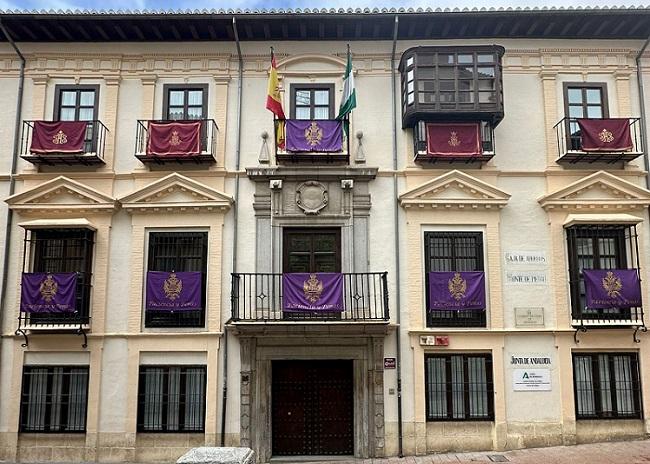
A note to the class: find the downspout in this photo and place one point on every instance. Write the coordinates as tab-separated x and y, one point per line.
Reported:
398	356
644	124
240	74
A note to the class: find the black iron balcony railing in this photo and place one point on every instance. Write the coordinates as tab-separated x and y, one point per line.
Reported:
93	147
258	297
570	150
302	154
420	144
208	144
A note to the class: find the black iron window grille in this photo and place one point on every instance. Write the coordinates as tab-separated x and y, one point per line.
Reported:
607	385
54	399
171	399
601	247
453	251
459	387
180	252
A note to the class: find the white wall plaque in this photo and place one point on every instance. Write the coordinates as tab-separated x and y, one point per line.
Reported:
531	380
516	258
529	317
526	277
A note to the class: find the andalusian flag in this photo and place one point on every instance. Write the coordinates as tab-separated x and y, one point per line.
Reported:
274	102
349	101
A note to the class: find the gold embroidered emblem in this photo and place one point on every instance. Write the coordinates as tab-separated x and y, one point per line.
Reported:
172	286
312	288
605	136
60	138
453	139
313	134
612	285
48	288
457	286
175	140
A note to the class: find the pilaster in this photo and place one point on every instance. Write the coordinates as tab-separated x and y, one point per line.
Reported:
549	90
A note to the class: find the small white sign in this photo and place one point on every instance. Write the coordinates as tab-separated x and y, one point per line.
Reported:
516	258
531	380
529	317
526	278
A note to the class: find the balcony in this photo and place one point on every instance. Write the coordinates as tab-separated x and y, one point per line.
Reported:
39	146
180	142
257	297
319	141
483	153
571	150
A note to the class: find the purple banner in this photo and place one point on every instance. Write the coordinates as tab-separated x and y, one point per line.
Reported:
321	136
42	292
173	291
612	288
456	290
322	291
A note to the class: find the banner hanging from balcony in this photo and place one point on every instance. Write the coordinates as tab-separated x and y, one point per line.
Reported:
177	138
605	134
322	136
42	292
456	290
322	291
457	138
612	288
58	137
173	291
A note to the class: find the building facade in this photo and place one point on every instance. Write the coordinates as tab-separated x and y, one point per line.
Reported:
494	153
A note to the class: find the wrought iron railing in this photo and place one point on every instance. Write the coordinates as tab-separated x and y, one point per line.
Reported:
569	144
258	297
282	154
209	136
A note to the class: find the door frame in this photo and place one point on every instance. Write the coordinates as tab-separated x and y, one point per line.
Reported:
286	231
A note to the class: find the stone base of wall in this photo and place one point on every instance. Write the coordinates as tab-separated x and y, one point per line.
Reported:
594	431
459	436
53	447
533	435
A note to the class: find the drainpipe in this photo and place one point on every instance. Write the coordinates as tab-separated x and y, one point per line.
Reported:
397	245
644	124
240	73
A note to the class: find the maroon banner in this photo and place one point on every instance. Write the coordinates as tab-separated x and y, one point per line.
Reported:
605	134
178	138
458	138
42	292
58	137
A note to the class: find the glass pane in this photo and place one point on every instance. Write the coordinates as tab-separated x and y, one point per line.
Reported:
427	97
465	72
437	388
426	60
486	84
299	243
324	242
303	97
594	112
176	113
585	401
67	114
176	97
447	85
447	97
410	87
605	392
484	71
478	395
325	263
194	112
298	263
575	111
464	59
574	95
302	112
445	58
68	98
410	98
485	58
466	85
593	96
466	97
87	98
427	86
446	73
86	114
321	112
457	387
409	61
426	73
321	97
624	386
410	75
486	97
195	97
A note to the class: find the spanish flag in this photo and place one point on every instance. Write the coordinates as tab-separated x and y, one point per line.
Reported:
274	102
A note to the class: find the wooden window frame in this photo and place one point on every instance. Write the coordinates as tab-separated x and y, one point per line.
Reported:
583	86
60	88
287	231
185	87
293	88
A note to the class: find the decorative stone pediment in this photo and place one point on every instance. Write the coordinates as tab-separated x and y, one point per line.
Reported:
455	189
600	190
62	195
176	193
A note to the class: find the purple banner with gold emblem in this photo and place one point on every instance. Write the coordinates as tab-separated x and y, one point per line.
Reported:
322	136
322	291
611	134
456	290
58	137
612	288
457	138
42	292
177	138
173	291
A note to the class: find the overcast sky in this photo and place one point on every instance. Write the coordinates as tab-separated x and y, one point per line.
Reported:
268	4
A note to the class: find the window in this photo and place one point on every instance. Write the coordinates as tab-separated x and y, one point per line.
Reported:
459	387
64	250
312	250
583	100
599	247
181	252
607	385
315	101
453	251
185	102
79	103
171	399
54	399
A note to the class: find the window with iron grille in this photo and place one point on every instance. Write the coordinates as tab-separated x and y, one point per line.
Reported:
179	252
607	385
459	387
54	399
64	250
171	399
453	251
600	247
